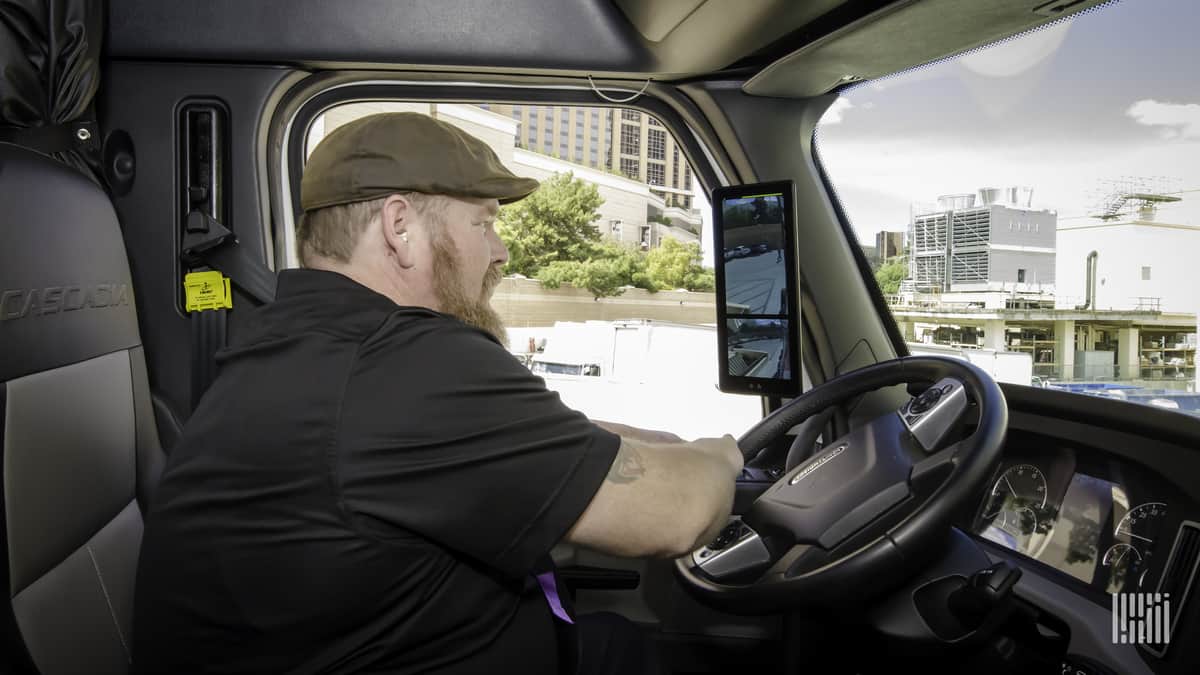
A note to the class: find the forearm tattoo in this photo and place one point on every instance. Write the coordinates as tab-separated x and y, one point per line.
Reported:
627	467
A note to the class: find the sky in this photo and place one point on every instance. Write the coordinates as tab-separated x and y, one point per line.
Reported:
1111	95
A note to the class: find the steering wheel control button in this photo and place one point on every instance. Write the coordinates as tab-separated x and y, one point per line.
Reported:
744	553
925	401
727	536
931	416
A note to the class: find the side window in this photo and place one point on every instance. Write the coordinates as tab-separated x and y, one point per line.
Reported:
1019	215
608	292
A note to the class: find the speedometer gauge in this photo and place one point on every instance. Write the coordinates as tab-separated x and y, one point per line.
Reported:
1141	523
1129	558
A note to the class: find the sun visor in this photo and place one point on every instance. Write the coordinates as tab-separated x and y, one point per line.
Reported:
901	36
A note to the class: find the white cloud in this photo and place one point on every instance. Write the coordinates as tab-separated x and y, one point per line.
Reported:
835	112
1177	120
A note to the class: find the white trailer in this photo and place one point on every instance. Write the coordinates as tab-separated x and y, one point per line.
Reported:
1012	367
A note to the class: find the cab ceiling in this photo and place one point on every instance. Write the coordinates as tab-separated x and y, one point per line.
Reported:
672	39
792	45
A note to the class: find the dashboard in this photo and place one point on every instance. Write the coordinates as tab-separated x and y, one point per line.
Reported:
1094	498
1105	522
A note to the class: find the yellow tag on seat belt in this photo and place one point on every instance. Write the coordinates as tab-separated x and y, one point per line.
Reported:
206	290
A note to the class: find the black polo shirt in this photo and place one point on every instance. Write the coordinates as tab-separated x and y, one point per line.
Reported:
365	488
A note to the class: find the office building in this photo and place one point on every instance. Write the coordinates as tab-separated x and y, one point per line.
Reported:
622	140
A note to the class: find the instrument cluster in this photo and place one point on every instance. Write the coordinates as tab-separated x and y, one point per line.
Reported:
1106	522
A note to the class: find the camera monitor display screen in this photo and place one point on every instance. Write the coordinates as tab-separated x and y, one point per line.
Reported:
757	307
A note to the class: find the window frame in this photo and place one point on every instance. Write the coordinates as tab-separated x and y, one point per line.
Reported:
874	292
310	96
306	97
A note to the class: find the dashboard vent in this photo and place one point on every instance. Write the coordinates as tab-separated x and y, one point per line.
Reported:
1179	575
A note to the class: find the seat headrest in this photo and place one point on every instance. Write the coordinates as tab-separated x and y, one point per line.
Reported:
65	290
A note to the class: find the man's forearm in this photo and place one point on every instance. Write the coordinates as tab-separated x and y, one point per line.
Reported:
645	435
661	499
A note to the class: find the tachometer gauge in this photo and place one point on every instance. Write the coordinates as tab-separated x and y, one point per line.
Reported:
1123	562
1141	523
1022	485
1015	512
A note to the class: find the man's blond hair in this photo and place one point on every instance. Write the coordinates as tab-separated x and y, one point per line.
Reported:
332	232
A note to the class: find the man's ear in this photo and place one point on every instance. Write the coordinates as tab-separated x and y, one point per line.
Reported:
395	218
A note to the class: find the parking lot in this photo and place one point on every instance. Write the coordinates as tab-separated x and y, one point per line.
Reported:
756	283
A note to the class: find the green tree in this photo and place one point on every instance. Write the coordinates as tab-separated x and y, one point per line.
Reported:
612	268
602	277
890	274
554	224
677	265
630	263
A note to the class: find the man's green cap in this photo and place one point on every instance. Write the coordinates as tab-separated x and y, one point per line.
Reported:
382	154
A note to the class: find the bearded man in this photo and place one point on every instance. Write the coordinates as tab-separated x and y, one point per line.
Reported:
373	483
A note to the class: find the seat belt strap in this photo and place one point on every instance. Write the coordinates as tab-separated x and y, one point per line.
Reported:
208	337
208	243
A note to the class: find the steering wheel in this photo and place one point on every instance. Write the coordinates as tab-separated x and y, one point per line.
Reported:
869	509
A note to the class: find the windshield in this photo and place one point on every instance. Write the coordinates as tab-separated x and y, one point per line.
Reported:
1034	206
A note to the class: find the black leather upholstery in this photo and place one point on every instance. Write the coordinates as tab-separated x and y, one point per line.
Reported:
80	448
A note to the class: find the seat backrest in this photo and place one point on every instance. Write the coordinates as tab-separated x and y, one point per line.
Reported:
80	449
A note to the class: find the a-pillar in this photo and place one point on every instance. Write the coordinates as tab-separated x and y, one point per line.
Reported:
993	335
1129	355
1064	348
906	330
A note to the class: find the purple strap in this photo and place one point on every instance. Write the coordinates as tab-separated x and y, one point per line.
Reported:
550	589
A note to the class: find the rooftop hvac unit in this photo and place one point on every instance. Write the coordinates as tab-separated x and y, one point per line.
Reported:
1011	196
960	201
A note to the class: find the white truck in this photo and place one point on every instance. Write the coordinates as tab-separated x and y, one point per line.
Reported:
652	374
